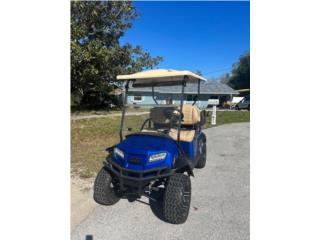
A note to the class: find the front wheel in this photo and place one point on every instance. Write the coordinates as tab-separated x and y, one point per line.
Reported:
177	198
105	189
202	153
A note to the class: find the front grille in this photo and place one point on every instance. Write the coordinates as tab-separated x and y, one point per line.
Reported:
135	160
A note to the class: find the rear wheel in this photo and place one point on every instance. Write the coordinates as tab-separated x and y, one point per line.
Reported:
177	198
202	153
105	189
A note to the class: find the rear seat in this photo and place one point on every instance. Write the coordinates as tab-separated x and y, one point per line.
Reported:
191	116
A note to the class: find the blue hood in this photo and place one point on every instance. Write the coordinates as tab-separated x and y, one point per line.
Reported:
137	149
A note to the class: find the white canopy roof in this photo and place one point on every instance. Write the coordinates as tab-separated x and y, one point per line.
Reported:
161	77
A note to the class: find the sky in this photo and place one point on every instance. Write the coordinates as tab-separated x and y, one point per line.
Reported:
205	36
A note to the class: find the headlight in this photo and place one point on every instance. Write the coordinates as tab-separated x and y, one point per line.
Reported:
157	157
118	152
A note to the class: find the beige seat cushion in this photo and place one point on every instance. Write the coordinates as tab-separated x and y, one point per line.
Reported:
185	135
191	114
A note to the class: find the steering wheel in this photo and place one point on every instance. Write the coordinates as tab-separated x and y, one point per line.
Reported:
145	122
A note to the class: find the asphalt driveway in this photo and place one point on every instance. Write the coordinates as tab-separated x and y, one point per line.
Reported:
220	206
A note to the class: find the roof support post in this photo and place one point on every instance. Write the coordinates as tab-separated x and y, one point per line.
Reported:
181	105
154	99
198	95
125	96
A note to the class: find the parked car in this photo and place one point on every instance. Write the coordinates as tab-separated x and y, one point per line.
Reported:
243	104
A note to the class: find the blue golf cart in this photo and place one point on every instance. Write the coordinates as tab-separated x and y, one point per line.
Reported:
162	155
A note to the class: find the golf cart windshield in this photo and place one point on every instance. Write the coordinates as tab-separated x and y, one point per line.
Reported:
171	111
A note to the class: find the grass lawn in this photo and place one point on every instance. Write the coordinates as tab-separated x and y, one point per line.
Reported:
224	117
90	137
105	112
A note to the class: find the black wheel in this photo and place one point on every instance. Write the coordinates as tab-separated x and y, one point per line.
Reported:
202	153
177	198
105	189
249	107
237	108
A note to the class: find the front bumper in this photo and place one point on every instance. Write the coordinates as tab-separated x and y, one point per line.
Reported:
136	178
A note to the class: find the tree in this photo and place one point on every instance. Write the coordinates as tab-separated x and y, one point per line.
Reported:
198	72
224	78
96	54
240	77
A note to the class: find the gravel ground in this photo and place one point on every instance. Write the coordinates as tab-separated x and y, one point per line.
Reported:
220	206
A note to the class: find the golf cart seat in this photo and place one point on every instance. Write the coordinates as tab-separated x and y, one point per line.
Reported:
191	118
160	117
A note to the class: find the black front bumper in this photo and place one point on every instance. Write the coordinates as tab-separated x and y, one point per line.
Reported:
137	179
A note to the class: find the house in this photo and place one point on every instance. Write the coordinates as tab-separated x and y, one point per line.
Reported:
172	94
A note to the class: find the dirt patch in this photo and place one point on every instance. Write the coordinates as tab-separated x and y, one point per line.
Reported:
81	199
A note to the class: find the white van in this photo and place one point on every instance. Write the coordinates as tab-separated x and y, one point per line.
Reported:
244	103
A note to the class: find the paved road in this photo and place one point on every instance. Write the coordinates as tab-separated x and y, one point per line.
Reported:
219	207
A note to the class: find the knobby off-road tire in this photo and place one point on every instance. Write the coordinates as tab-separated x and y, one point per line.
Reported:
202	153
177	198
104	191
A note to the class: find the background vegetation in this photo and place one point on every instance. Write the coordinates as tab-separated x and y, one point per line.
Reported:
240	74
96	54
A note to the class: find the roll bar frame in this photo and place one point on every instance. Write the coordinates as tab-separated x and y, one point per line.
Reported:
125	100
